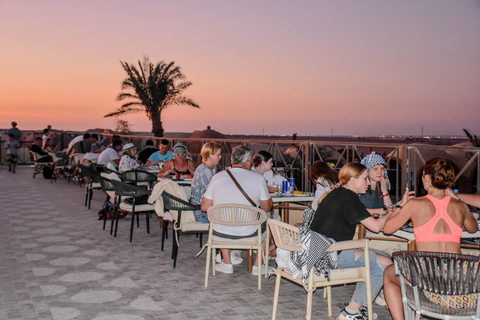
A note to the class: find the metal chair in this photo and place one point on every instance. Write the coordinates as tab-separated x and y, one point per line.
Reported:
437	273
39	165
92	181
287	237
110	204
132	192
139	178
174	204
235	215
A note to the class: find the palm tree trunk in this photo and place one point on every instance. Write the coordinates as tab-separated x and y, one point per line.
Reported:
157	128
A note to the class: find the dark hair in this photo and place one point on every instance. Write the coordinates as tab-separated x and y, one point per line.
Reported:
321	169
11	135
46	130
95	136
441	172
149	142
86	135
261	156
165	142
116	143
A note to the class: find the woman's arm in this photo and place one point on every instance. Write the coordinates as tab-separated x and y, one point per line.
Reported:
387	201
470	199
167	168
191	166
470	223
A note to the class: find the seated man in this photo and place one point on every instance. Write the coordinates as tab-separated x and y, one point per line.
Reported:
161	156
144	154
110	155
85	145
222	190
92	156
43	155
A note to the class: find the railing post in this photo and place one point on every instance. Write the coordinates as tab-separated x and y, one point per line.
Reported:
306	166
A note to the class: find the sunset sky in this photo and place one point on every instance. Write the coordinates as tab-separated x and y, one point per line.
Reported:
273	67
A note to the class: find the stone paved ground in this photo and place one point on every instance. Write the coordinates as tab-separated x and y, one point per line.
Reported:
56	262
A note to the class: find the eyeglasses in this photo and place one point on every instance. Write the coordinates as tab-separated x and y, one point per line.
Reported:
179	154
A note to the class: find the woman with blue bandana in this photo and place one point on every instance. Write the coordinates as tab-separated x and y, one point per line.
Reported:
377	197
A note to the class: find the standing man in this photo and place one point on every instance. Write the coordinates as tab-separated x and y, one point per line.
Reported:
161	156
17	134
222	189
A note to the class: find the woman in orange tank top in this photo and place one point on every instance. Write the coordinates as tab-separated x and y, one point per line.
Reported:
437	222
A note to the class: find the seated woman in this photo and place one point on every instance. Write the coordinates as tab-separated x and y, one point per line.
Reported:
376	199
338	213
211	155
180	165
437	223
128	160
263	163
324	178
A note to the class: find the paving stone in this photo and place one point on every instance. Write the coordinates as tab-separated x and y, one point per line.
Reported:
58	263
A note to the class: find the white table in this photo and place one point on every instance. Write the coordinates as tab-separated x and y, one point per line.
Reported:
285	200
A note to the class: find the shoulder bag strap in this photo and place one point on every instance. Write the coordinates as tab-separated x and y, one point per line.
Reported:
241	189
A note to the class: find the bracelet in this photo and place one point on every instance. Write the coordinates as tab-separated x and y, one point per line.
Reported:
383	195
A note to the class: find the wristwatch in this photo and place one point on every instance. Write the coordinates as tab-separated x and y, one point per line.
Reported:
398	206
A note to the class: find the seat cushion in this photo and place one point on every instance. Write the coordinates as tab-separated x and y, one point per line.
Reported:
138	208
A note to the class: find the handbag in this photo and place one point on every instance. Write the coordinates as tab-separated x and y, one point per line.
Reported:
241	189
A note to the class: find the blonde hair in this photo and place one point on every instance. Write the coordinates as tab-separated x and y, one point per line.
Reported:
348	171
208	149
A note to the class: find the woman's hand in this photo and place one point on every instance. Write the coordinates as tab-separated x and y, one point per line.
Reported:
449	192
407	196
384	185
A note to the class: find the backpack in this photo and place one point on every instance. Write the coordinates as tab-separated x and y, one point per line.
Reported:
47	172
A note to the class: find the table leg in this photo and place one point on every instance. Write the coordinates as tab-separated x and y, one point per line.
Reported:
249	261
362	231
287	213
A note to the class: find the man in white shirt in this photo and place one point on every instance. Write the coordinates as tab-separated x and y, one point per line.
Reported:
222	190
110	155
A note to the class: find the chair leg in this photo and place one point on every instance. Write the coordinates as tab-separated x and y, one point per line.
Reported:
86	195
117	217
175	250
309	296
329	300
90	195
201	234
207	267
131	225
138	221
277	292
164	231
148	222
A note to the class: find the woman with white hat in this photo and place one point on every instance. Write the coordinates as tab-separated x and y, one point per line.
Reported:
128	161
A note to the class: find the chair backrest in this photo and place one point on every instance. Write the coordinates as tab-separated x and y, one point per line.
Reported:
138	176
287	237
173	203
236	215
91	172
127	190
36	156
106	184
439	272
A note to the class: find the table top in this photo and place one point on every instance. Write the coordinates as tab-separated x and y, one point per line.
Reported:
408	234
292	198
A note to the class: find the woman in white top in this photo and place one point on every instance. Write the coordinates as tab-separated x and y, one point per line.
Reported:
263	163
128	161
324	178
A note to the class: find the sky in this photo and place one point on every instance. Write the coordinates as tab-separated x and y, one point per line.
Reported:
312	67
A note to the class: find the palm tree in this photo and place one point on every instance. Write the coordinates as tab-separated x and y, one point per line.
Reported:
152	88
